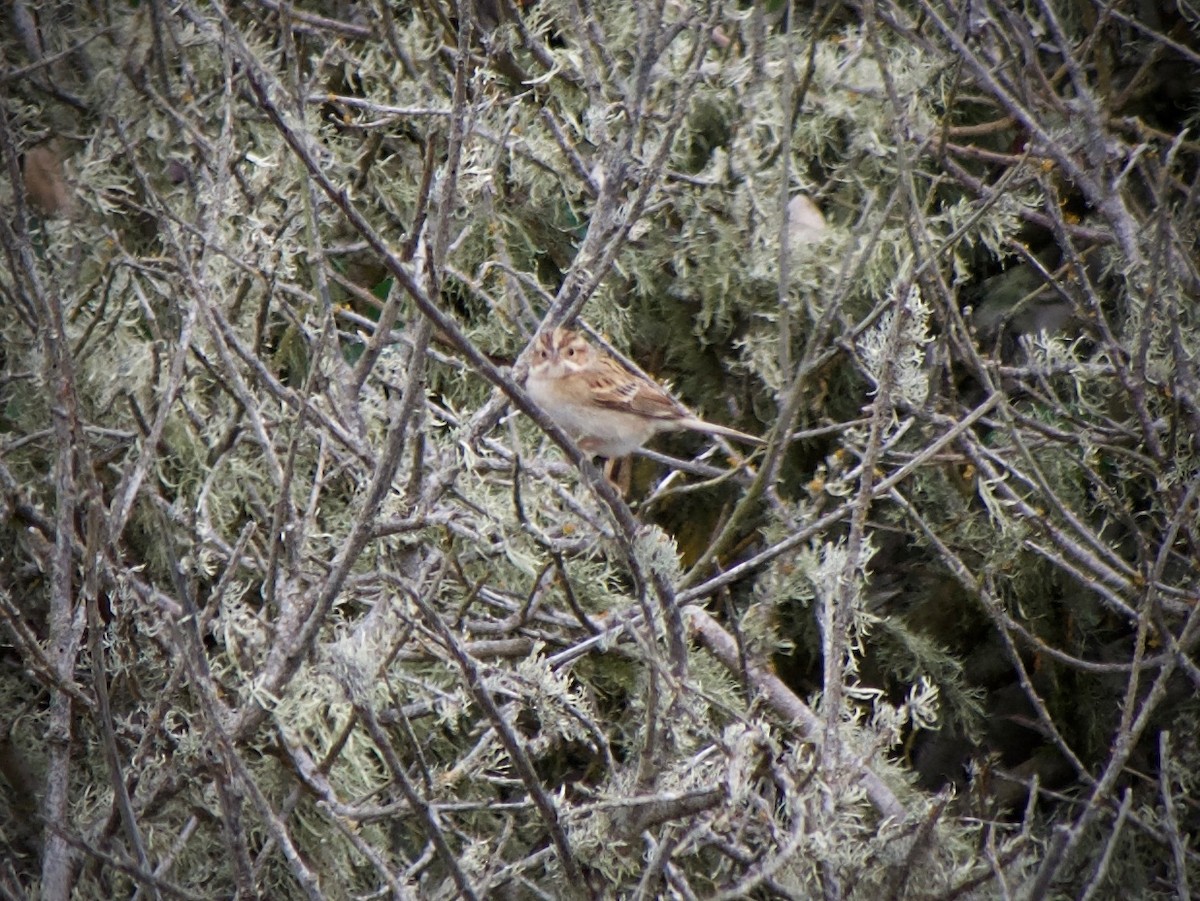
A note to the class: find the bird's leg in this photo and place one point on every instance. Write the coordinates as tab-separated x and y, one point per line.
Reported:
619	472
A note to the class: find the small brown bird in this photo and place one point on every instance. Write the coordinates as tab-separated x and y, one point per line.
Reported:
607	409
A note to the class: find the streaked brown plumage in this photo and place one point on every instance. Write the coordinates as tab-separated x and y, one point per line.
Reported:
607	409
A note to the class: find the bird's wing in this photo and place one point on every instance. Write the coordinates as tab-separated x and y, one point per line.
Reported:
617	390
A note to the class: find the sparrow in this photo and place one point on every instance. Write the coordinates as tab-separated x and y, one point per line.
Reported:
606	408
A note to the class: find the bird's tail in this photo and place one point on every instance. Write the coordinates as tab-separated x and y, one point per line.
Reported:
711	428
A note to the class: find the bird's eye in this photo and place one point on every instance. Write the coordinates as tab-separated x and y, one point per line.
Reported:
570	351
